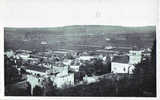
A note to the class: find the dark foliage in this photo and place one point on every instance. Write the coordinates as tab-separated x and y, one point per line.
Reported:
37	91
106	87
11	73
146	74
95	68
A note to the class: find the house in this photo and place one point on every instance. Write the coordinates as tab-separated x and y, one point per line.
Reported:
60	53
74	68
146	53
61	78
120	64
33	61
135	56
23	51
67	62
86	58
34	81
63	81
24	56
9	53
37	70
91	79
63	71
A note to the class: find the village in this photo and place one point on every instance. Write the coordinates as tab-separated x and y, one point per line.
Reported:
68	68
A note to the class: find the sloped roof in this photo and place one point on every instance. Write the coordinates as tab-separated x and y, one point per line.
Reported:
37	68
121	59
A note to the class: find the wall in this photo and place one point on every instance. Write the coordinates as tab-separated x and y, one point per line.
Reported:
67	80
135	57
35	72
74	68
119	67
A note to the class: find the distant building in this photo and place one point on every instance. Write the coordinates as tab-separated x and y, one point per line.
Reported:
9	53
108	47
146	53
63	81
86	58
63	71
100	56
135	56
23	51
75	68
67	62
33	61
35	81
23	56
60	53
91	79
120	64
61	78
44	42
75	65
37	70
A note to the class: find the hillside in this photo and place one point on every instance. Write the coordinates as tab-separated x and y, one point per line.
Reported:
78	36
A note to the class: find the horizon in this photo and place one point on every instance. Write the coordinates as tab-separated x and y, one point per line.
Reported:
79	25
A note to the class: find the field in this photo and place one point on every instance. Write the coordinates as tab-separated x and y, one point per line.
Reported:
89	37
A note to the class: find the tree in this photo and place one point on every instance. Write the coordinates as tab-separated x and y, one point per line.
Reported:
145	73
23	70
11	73
37	91
95	68
78	76
153	69
28	88
48	87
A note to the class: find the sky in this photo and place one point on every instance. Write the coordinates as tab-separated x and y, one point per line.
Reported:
53	13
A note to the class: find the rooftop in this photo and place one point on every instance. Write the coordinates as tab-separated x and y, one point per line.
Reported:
37	68
121	59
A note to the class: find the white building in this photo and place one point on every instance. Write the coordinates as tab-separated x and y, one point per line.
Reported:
37	70
63	81
86	58
9	53
91	79
75	68
24	56
120	64
61	78
63	72
67	62
135	57
34	81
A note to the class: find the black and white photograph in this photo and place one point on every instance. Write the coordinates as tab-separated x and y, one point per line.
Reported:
80	48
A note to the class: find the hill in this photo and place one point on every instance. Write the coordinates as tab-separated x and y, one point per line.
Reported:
78	36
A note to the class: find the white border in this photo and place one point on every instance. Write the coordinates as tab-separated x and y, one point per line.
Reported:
2	97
